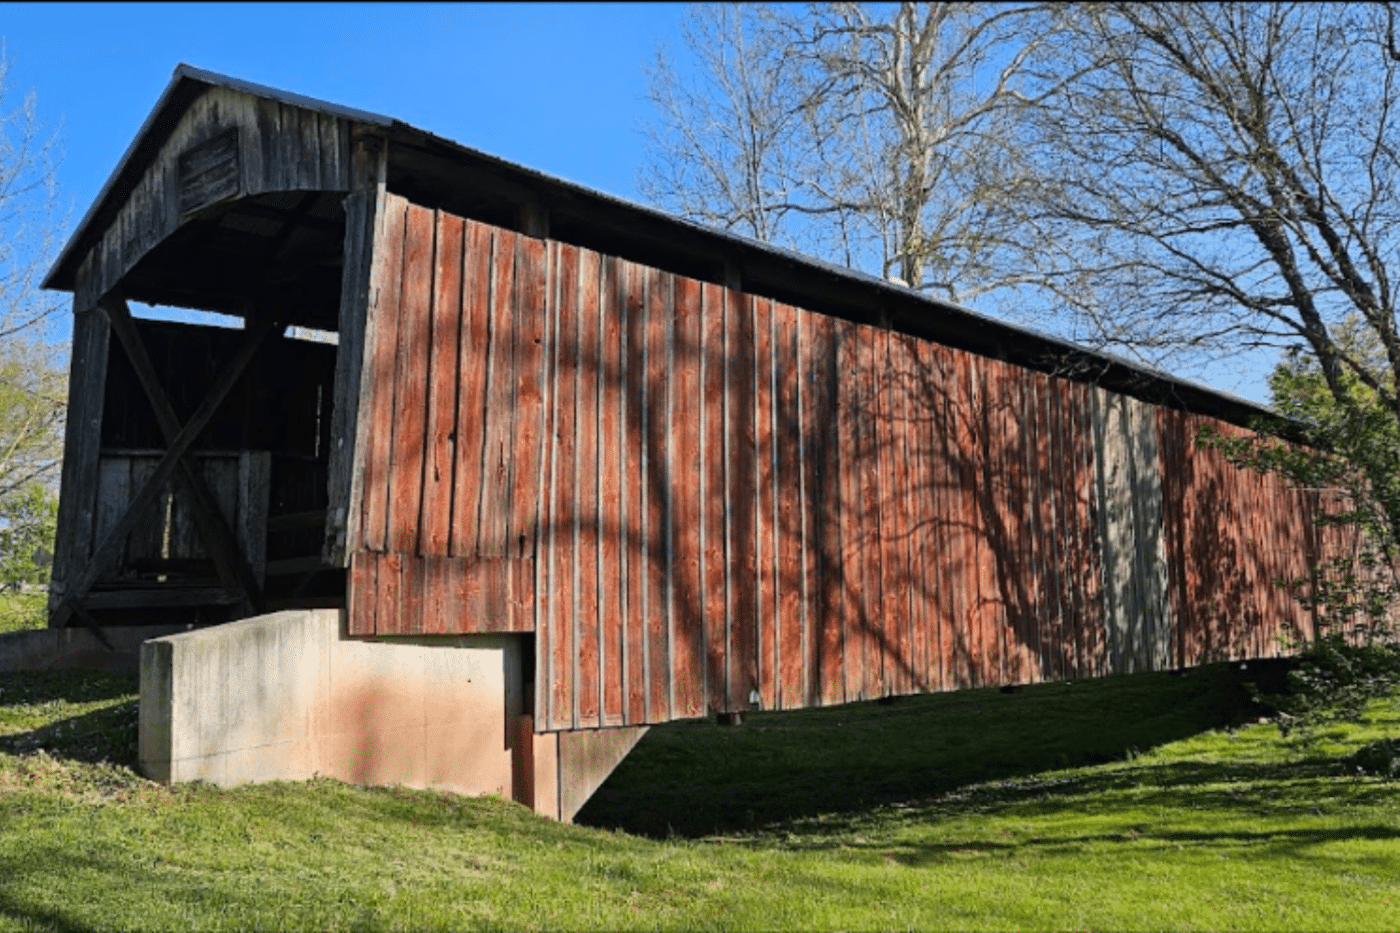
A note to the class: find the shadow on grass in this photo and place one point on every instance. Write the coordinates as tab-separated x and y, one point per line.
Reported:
28	688
106	734
696	778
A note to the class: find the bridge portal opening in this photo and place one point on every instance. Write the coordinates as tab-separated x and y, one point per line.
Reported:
251	294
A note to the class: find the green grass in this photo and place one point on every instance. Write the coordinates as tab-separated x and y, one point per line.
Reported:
20	611
978	810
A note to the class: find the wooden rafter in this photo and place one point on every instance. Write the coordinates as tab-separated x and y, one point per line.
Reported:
110	547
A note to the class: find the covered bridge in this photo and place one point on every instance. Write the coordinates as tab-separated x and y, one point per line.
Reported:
661	471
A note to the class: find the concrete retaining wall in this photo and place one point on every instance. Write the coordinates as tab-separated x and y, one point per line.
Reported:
289	695
56	649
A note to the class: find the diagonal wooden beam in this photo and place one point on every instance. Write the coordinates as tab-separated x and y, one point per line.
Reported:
111	545
219	539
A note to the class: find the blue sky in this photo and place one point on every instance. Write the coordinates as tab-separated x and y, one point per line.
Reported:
557	87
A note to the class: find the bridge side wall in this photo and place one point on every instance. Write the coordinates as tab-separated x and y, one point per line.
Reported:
701	500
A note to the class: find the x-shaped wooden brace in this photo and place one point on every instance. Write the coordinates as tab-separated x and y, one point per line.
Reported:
218	538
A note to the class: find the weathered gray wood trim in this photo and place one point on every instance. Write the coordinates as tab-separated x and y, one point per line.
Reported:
163	597
1115	525
111	545
364	211
1128	488
278	148
218	538
254	488
87	379
1150	558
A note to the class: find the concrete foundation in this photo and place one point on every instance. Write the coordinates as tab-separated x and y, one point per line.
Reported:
116	648
287	696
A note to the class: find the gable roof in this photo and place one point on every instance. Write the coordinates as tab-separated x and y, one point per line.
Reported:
439	172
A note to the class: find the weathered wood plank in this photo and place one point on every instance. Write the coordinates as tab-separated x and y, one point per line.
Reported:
850	570
960	573
912	672
498	459
892	650
687	592
1091	566
565	517
87	375
869	367
768	590
333	135
377	394
811	423
1048	532
714	562
830	344
113	492
443	340
612	441
410	415
474	336
528	427
634	518
269	123
546	567
364	211
588	615
208	172
937	384
162	597
657	493
361	595
413	594
742	495
440	614
970	481
791	526
1015	572
147	538
388	615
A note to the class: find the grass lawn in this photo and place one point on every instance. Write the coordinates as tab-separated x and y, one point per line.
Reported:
19	611
1131	803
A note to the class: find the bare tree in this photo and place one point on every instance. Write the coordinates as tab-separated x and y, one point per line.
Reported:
1223	176
33	386
880	136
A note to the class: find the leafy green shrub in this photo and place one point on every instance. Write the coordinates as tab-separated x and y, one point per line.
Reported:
1333	680
1381	758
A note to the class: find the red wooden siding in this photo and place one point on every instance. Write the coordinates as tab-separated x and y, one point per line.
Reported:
697	499
1232	533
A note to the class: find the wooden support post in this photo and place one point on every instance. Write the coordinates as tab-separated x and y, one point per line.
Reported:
364	211
219	538
82	439
523	761
111	546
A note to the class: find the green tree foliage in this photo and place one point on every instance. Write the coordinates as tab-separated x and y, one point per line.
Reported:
1351	450
27	520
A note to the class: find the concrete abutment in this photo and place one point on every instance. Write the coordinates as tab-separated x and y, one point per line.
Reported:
289	695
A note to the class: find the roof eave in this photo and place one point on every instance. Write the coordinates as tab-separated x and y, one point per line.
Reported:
186	83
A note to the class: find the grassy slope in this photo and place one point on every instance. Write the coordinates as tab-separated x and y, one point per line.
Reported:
1211	830
20	611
